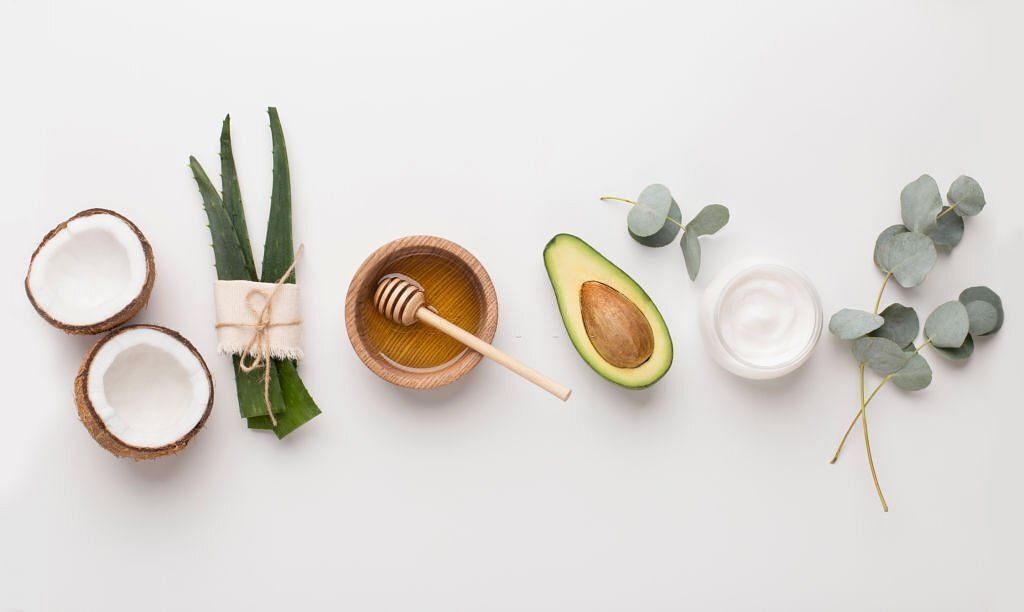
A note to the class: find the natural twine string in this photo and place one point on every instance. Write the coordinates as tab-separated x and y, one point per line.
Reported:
257	353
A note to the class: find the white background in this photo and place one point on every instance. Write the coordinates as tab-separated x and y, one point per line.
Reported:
497	126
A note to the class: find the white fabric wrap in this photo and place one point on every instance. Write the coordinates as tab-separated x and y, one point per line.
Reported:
238	311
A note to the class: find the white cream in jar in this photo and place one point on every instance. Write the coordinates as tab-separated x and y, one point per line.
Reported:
761	321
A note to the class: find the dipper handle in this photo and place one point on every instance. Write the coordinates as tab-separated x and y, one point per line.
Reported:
478	345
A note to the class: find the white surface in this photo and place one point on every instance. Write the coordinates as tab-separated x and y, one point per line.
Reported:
496	127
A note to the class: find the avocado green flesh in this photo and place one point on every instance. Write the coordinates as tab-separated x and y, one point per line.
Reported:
570	262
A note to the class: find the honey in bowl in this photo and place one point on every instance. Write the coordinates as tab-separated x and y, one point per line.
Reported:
450	291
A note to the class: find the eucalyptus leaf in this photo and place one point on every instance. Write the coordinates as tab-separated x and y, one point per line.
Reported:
948	230
920	203
966	196
691	253
948	325
982	316
850	324
901	325
959	353
709	220
651	212
909	256
668	231
884	242
984	294
914	376
882	355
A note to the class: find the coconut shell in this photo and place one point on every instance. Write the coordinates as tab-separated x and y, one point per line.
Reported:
92	422
125	314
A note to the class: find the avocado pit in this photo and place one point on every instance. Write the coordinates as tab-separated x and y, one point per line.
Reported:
618	329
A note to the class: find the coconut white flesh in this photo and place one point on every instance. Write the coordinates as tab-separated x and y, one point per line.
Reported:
147	388
89	271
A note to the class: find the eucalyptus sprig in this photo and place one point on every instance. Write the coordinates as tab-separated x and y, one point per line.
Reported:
884	342
656	219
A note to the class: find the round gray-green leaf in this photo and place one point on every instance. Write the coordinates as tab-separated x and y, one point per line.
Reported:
909	256
914	376
959	353
948	325
850	324
901	325
882	355
920	203
966	196
982	316
709	220
668	231
972	294
948	230
884	242
651	212
691	253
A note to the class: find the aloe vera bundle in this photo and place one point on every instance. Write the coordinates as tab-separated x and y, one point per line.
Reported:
282	391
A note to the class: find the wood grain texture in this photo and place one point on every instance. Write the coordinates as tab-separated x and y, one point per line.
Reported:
456	284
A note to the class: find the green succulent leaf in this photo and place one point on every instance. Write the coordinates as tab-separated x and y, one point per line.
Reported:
920	203
982	316
908	256
232	196
884	242
948	325
651	214
901	325
914	376
984	294
691	253
948	230
882	355
709	220
966	196
666	234
959	353
850	324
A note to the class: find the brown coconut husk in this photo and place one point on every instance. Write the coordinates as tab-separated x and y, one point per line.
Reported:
126	313
99	432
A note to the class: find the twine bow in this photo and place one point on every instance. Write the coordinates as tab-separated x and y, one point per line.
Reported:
258	353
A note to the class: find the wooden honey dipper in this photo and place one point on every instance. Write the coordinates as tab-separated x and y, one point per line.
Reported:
403	301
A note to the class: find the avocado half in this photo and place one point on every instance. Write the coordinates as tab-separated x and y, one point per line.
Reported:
611	321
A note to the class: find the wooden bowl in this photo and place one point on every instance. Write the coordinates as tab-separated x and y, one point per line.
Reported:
359	309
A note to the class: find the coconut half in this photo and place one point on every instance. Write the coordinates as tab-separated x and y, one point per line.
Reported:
143	392
91	273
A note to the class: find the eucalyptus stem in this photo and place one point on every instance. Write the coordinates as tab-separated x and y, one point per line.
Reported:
885	282
856	417
839	449
945	212
632	203
867	442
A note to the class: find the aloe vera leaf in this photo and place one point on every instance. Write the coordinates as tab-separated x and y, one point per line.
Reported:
226	250
301	407
249	388
231	266
259	422
278	254
278	251
232	195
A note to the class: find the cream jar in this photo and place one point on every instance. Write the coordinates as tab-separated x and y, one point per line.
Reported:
761	321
